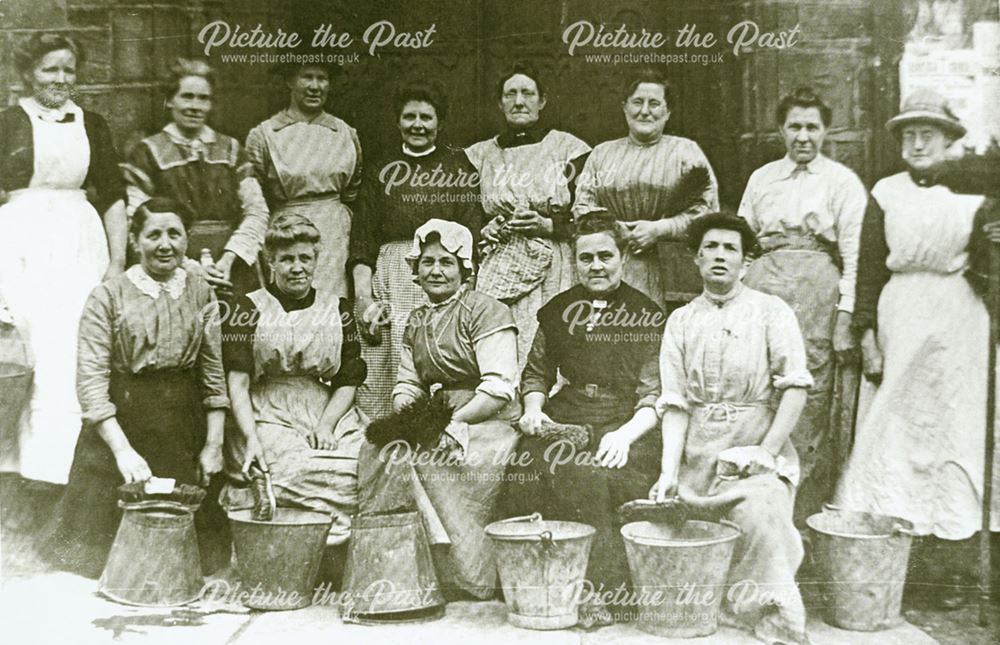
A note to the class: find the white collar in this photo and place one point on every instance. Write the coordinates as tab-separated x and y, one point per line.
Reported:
174	286
720	300
410	152
205	136
51	115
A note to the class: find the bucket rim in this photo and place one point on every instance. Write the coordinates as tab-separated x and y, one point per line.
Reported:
736	532
107	593
900	527
302	517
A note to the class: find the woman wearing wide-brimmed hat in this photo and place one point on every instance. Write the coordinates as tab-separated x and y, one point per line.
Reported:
919	449
309	162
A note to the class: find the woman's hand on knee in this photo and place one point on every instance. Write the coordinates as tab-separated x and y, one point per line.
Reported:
322	439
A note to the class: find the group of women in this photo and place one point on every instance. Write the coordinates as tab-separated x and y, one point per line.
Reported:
245	258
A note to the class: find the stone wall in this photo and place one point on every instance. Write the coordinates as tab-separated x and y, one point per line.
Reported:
847	50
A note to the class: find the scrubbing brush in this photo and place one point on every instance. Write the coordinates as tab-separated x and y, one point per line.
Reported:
160	492
577	435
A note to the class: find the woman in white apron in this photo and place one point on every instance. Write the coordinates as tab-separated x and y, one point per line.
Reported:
58	178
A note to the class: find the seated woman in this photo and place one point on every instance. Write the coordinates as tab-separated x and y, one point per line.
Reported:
464	343
601	335
733	384
293	364
152	390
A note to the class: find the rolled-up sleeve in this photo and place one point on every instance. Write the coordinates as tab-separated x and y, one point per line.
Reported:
786	349
648	390
496	355
673	379
93	359
210	370
408	381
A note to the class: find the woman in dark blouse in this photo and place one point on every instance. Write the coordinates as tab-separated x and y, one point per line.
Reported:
206	171
293	364
603	337
419	181
58	179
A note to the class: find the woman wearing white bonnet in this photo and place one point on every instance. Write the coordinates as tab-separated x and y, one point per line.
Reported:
460	348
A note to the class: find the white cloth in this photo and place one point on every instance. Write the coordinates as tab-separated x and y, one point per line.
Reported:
455	239
53	251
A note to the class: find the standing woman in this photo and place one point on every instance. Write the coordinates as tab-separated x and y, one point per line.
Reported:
525	175
918	453
309	162
59	178
414	183
152	389
207	172
640	179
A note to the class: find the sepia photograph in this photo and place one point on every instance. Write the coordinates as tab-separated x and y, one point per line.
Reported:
497	321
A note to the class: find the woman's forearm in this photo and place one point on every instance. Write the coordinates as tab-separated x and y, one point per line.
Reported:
480	408
641	422
116	229
216	422
534	401
674	428
338	405
362	274
239	399
793	401
112	434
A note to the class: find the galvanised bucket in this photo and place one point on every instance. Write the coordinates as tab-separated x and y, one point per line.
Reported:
862	558
679	574
278	560
542	565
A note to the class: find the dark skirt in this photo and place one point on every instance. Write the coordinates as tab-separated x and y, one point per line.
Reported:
584	493
162	417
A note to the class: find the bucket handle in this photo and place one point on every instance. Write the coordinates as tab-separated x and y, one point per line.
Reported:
833	508
899	529
731	524
534	517
545	537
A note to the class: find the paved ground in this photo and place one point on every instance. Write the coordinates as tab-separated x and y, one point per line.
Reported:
39	607
43	608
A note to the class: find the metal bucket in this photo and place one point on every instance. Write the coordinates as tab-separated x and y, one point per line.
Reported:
679	574
862	558
542	565
154	560
278	559
389	576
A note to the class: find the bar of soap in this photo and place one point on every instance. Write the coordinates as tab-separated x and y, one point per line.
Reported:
160	485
